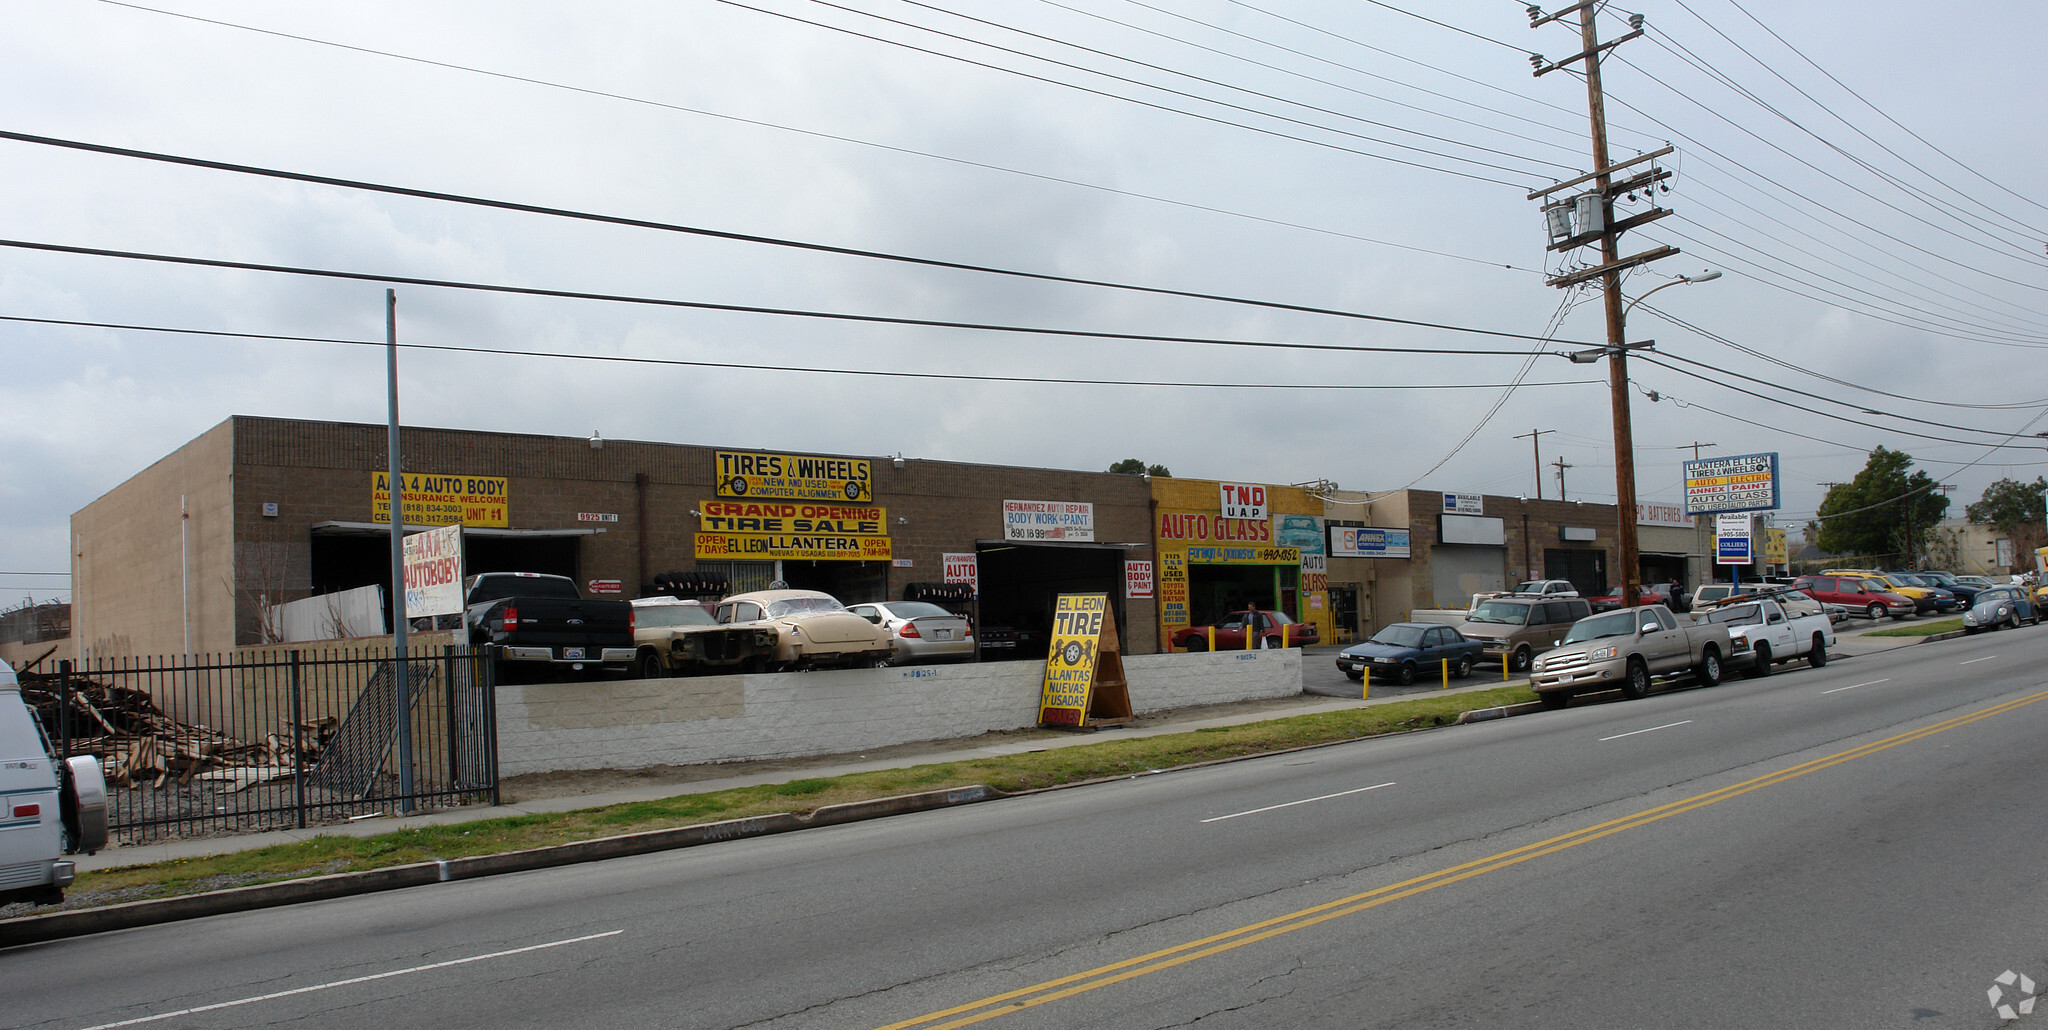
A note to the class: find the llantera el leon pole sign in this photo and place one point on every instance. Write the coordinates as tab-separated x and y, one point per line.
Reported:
1745	482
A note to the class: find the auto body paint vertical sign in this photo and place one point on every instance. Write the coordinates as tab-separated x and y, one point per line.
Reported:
1049	521
1070	664
1137	580
433	572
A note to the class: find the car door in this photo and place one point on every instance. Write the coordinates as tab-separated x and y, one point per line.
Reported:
1661	641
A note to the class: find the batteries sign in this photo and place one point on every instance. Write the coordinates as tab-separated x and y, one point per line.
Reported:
1746	482
792	477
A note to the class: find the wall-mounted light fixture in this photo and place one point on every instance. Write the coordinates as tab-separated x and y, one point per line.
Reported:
596	441
897	460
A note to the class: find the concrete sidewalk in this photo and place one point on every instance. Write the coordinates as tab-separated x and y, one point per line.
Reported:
1150	725
1851	644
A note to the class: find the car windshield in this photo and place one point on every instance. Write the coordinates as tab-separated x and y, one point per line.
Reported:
1737	614
1612	624
656	616
802	606
1534	586
915	609
1495	611
1399	636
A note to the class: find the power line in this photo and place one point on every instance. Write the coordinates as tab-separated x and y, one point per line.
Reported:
813	133
719	234
753	366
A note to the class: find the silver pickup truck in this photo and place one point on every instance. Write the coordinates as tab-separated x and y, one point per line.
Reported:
1626	649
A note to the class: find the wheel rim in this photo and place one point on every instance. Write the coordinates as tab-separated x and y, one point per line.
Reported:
1639	679
1521	658
1407	673
1876	612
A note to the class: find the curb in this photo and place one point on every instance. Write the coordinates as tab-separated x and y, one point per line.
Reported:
79	922
1502	712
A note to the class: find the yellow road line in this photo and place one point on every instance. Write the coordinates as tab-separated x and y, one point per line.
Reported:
1181	954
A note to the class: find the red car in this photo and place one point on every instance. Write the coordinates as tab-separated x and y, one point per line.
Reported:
1266	629
1857	595
1644	595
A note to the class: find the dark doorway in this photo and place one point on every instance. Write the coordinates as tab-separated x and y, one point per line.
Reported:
1585	567
1019	583
852	582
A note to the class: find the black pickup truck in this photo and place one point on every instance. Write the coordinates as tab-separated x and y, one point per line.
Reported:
539	623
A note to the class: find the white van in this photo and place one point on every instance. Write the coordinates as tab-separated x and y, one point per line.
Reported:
47	809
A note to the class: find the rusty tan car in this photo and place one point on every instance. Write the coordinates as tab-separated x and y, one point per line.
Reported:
812	629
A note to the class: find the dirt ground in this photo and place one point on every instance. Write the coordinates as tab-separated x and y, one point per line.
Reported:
571	783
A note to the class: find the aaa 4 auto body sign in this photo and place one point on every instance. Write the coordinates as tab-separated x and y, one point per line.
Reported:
432	499
1746	482
1049	520
433	572
784	529
792	477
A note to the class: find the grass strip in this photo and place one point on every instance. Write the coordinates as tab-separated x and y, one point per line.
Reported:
1050	768
1921	629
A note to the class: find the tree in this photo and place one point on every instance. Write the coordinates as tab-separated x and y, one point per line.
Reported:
1883	511
2016	509
1136	467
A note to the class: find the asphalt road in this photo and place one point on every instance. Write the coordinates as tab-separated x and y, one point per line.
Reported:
1856	846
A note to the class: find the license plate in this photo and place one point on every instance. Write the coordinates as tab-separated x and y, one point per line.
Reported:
1566	678
572	652
942	634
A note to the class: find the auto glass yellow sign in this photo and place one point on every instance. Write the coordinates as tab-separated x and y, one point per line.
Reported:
790	529
432	499
1070	664
792	477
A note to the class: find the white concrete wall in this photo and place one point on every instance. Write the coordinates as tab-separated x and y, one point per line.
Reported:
627	724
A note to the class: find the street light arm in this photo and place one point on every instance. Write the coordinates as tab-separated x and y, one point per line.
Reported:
1681	280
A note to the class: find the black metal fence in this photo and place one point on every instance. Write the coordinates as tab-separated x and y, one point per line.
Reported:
277	737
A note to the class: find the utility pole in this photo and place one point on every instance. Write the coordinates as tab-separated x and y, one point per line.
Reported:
1535	437
1590	220
1695	445
1561	466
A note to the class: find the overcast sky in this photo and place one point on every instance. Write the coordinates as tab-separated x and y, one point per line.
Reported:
1348	155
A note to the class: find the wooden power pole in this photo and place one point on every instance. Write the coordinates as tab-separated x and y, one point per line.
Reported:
1588	219
1535	436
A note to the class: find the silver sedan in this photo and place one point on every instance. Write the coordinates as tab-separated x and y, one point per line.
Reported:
921	630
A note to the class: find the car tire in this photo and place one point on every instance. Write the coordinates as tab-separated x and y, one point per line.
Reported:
1636	682
1762	665
1819	655
648	666
1461	668
1522	659
1554	699
1355	676
1875	611
1197	644
1407	673
1708	672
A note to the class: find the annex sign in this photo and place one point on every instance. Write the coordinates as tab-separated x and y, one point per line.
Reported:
1746	482
792	477
432	499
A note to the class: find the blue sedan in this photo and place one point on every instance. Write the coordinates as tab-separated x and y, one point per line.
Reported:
2001	606
1407	649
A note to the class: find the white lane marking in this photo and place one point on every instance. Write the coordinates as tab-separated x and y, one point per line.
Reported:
351	980
1974	661
1853	686
1652	729
1303	801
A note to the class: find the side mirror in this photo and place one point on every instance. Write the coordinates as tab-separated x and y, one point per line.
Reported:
1650	627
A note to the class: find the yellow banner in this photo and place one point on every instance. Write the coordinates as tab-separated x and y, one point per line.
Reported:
1205	554
432	499
1774	546
814	546
792	477
1070	664
799	517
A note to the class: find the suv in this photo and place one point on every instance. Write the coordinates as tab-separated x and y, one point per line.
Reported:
1516	629
50	808
1856	594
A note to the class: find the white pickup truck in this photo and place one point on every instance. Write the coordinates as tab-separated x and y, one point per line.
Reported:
1765	629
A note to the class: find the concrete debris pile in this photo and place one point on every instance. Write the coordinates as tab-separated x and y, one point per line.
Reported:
139	746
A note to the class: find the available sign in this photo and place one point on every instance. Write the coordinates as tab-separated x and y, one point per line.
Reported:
788	517
1242	501
792	477
1137	580
433	572
1070	664
963	567
1360	542
1746	482
813	546
1465	504
1049	520
432	499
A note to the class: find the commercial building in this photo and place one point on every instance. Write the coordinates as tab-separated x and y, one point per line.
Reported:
194	552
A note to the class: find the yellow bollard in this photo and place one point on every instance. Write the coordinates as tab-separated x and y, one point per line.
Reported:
1447	674
1212	638
1504	667
1367	696
1284	627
